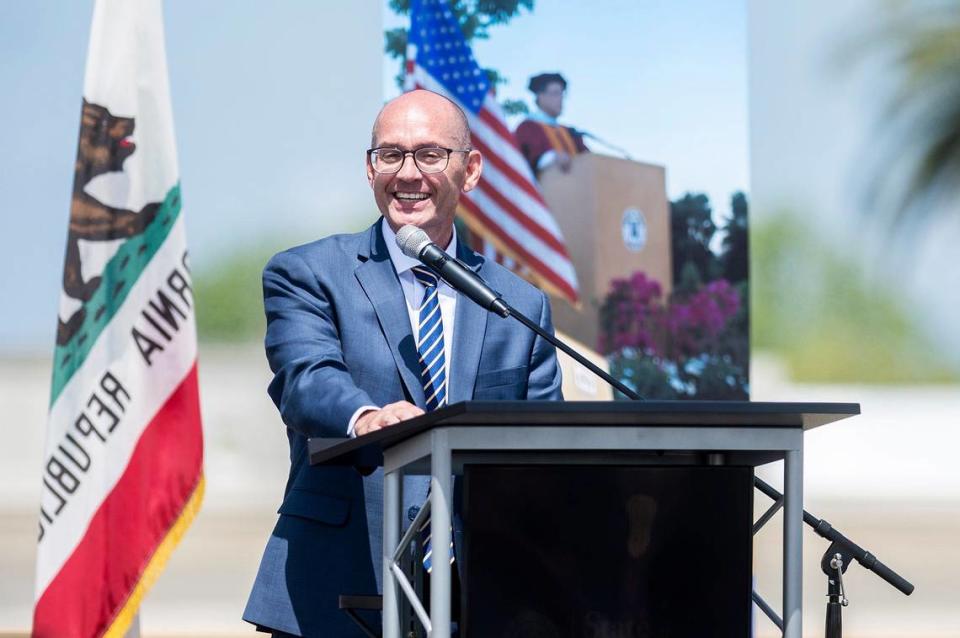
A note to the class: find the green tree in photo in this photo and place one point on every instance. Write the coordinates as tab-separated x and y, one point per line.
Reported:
735	256
692	229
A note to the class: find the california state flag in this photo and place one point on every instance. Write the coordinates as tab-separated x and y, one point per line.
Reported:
123	464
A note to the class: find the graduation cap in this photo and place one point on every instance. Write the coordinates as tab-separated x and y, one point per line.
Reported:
538	83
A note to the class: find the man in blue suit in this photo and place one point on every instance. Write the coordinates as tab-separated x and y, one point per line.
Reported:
344	316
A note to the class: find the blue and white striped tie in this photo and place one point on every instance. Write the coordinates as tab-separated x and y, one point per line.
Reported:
433	374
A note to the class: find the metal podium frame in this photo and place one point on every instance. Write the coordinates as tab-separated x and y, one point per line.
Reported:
594	433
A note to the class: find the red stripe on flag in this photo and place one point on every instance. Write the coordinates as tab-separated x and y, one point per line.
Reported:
163	472
533	262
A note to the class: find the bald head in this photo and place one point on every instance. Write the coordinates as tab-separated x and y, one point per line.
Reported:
449	118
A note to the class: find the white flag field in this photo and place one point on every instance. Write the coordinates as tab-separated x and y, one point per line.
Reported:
123	462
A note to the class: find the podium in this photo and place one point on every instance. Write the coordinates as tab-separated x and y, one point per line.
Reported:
708	435
615	216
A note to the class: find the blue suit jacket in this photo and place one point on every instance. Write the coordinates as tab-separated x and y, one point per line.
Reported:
338	338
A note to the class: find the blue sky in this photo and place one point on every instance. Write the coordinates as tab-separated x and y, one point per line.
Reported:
273	103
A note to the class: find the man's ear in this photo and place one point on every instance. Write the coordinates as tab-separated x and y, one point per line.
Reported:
474	168
371	175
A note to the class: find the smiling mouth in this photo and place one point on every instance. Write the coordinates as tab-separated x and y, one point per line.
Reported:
411	197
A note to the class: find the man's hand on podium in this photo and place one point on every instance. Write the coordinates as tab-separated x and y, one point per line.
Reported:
386	416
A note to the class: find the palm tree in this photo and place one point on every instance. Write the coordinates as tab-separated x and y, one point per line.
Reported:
919	169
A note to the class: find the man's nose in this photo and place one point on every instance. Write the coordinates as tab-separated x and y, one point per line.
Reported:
409	170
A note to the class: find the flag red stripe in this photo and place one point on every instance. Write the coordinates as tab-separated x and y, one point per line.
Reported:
524	220
533	262
134	518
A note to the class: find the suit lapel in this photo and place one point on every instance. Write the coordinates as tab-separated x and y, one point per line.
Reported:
468	332
379	281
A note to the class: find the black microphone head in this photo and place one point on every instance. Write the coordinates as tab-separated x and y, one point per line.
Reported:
412	241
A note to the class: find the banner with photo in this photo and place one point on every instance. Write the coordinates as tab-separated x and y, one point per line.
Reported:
616	171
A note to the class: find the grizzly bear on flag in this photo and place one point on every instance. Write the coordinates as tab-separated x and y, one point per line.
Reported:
104	146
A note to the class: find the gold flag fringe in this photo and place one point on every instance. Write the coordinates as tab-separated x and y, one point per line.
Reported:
124	618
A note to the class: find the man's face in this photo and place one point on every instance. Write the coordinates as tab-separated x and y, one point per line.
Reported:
426	200
550	99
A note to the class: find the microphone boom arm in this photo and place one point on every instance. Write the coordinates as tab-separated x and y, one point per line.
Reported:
827	531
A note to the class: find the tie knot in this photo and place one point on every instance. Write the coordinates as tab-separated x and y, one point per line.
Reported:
425	276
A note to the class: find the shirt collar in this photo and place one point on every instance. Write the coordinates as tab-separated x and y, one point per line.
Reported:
402	263
540	116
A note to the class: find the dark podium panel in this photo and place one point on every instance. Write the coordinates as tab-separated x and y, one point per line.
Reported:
571	551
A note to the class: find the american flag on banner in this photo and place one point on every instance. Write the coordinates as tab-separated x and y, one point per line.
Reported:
506	209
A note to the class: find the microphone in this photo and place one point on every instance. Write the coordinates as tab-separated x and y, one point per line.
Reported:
415	243
612	147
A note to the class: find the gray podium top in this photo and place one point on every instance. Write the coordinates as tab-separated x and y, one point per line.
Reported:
368	449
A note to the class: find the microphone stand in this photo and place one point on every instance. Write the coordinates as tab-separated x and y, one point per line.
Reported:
603	142
836	560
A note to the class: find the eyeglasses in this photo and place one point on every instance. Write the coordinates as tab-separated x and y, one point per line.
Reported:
430	159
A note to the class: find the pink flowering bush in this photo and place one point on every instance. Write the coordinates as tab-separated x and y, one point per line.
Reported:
679	347
632	315
695	325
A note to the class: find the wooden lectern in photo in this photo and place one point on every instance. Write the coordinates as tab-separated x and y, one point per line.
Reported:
615	218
